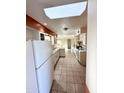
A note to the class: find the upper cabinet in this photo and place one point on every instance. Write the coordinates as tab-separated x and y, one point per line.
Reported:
30	22
83	29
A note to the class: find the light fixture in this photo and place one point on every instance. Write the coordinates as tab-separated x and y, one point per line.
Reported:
69	10
65	28
45	24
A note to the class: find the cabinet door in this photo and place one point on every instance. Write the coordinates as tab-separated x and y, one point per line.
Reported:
57	55
54	59
82	58
62	52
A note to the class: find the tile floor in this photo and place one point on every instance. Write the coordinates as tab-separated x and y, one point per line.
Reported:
69	75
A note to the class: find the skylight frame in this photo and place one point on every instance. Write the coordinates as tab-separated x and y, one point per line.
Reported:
63	11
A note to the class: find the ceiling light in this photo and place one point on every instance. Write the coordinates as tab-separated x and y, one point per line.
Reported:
65	28
45	24
70	10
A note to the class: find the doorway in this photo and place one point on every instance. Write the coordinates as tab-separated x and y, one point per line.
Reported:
69	43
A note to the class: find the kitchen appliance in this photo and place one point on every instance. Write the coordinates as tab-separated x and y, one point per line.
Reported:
31	80
42	52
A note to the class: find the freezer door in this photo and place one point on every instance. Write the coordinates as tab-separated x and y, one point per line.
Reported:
42	51
31	81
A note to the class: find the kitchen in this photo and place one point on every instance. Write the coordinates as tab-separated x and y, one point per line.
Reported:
56	50
60	51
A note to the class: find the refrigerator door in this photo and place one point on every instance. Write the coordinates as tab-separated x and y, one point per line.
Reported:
42	51
31	80
45	76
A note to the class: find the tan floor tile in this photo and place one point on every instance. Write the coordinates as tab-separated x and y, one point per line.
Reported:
68	75
64	70
79	88
61	92
64	74
57	72
54	91
63	78
62	86
55	85
71	88
78	80
56	77
70	79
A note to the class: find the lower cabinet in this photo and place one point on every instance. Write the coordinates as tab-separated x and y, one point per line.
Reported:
62	52
82	58
55	57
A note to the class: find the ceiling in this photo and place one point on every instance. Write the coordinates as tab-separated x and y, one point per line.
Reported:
34	8
65	36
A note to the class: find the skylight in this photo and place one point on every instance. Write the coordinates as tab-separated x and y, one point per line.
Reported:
70	10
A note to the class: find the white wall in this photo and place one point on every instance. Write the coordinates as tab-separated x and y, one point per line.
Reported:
31	34
62	42
91	46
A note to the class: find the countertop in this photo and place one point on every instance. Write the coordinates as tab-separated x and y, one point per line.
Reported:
55	50
83	50
77	50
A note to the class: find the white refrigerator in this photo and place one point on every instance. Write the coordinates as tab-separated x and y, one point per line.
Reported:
31	80
42	53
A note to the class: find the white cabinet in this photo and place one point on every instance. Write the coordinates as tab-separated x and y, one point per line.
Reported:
62	52
53	59
82	57
55	56
76	53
